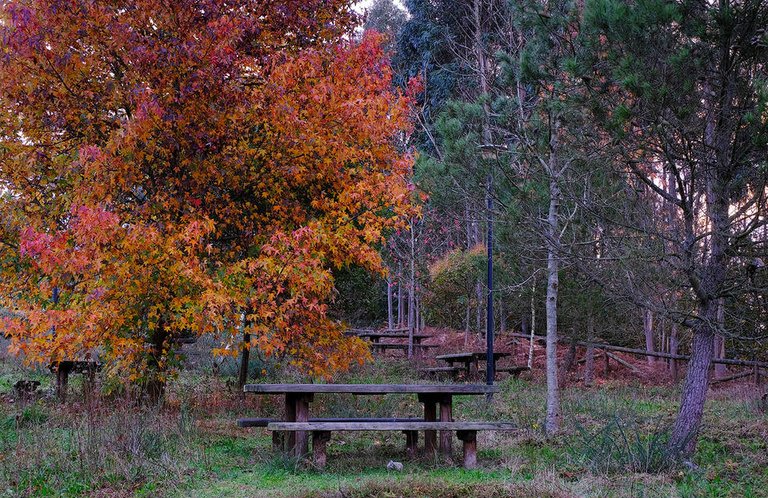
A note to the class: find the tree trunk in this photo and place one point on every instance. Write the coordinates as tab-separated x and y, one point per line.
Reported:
648	330
589	364
533	322
417	313
479	307
569	360
502	317
399	295
686	427
390	313
154	386
709	287
242	377
552	422
720	369
411	293
467	318
673	348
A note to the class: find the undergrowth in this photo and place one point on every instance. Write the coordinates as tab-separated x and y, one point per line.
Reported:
613	444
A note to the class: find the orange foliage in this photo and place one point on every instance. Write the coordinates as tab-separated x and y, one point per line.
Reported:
169	166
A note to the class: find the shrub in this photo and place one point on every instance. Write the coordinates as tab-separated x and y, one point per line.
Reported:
624	445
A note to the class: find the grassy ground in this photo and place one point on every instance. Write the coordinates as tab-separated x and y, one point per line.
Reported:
611	444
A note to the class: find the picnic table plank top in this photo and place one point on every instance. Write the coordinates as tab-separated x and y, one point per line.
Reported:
371	388
391	345
480	355
392	335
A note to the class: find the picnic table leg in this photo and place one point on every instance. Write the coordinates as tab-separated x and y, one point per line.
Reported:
277	441
290	416
89	381
411	443
319	440
62	379
446	415
472	368
302	415
469	438
430	415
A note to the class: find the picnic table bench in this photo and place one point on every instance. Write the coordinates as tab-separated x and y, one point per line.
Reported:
465	432
297	424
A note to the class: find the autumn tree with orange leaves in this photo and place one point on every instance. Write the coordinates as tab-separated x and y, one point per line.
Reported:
168	167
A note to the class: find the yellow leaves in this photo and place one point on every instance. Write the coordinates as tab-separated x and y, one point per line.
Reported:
196	197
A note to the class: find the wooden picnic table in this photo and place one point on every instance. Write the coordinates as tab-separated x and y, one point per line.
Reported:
377	345
63	368
360	332
375	337
299	396
470	359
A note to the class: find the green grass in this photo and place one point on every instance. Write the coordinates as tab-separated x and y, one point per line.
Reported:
192	447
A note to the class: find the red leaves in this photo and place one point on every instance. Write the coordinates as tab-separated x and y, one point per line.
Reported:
182	163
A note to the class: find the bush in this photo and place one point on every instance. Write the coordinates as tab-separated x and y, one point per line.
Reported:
452	286
624	445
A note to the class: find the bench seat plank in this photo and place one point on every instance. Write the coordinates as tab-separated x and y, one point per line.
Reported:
321	434
263	422
391	426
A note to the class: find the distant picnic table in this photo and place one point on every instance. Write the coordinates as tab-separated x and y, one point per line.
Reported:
63	368
470	360
438	416
376	336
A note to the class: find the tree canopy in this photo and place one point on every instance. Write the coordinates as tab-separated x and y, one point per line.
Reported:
170	167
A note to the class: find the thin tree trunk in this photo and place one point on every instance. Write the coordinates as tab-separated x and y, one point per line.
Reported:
399	295
648	330
720	369
417	313
589	365
245	354
569	361
552	422
533	321
390	313
502	317
673	348
479	307
467	318
245	357
411	293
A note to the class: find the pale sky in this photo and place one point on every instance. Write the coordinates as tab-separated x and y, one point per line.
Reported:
364	4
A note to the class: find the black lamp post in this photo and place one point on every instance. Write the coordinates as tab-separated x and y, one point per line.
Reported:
489	153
